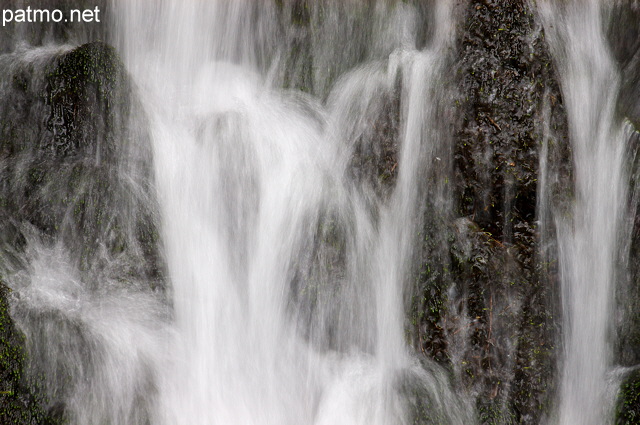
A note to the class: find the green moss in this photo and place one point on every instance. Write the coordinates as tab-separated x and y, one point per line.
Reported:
19	402
628	404
492	413
510	357
423	407
83	83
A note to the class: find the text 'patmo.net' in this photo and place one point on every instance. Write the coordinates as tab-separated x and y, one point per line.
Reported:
30	15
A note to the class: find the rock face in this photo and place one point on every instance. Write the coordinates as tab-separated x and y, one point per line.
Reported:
19	404
66	147
624	39
623	34
486	303
82	112
628	404
73	171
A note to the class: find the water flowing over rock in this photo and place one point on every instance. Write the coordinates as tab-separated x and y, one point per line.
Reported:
320	212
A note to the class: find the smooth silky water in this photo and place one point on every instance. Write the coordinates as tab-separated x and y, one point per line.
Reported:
247	173
590	235
286	277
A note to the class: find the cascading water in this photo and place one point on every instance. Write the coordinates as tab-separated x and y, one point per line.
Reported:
250	178
590	238
224	218
243	171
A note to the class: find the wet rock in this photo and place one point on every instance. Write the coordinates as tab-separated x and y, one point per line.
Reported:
508	88
488	300
628	403
74	167
18	401
74	171
624	38
623	33
627	337
88	99
375	158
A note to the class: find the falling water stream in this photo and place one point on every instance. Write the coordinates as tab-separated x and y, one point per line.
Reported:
286	268
243	171
589	240
249	178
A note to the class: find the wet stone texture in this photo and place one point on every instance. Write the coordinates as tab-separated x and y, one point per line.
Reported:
488	298
85	96
624	38
19	401
72	171
65	145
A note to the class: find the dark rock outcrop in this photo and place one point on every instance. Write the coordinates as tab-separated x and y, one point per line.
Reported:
73	171
628	403
68	149
19	400
487	303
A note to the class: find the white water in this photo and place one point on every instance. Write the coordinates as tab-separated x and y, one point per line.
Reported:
286	274
246	174
589	239
243	171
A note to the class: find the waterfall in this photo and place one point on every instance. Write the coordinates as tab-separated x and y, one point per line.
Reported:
590	237
286	274
245	171
319	212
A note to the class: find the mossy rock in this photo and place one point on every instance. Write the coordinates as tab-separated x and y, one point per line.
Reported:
624	38
66	136
484	299
628	404
88	97
18	402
